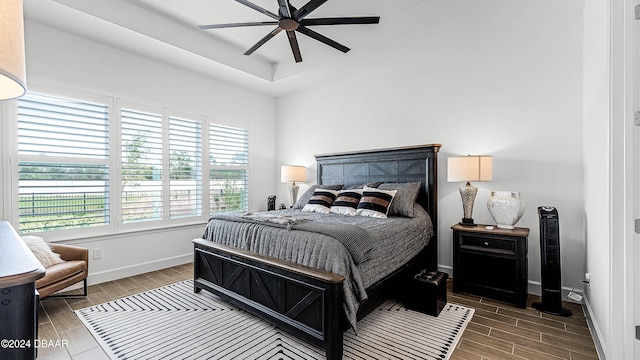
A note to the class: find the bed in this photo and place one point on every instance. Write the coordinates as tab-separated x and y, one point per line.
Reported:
317	297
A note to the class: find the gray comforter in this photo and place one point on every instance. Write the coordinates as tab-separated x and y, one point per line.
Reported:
355	239
392	242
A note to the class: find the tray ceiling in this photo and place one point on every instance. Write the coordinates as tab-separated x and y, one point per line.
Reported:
167	30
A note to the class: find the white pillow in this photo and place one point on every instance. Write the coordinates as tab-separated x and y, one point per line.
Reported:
375	202
42	251
347	202
321	201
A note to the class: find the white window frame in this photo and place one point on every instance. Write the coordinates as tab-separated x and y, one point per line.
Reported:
165	221
204	176
153	224
10	112
206	161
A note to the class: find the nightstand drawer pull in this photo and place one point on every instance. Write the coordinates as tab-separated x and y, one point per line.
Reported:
486	243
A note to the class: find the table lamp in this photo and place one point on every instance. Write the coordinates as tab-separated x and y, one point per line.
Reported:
466	169
291	173
12	65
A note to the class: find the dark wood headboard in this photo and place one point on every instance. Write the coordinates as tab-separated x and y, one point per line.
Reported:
405	164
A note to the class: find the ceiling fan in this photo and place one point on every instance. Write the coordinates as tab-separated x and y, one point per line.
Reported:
291	20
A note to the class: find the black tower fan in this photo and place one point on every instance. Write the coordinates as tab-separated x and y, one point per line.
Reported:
550	263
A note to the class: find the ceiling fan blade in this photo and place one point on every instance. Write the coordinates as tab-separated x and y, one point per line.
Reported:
263	40
284	8
307	9
341	21
293	41
259	9
221	26
312	34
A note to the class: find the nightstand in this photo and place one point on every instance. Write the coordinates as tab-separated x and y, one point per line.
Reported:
491	263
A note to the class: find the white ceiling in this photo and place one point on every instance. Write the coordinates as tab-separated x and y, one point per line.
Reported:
167	30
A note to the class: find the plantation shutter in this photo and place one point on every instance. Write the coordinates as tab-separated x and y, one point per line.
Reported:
141	166
229	168
63	174
185	168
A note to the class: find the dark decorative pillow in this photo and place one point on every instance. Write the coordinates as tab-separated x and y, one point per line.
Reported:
304	199
347	202
321	201
375	202
373	184
405	198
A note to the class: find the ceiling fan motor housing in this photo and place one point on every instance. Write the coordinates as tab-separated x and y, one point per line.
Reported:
288	24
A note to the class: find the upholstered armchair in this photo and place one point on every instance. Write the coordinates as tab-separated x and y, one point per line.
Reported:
74	269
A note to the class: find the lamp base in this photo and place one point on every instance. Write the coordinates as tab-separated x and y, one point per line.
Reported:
467	222
293	192
468	193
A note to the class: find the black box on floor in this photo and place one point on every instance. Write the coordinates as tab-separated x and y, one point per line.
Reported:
427	292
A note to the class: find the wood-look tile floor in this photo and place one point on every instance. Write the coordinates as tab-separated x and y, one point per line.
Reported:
497	330
503	331
58	321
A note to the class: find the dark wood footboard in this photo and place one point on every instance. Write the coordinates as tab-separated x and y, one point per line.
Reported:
303	301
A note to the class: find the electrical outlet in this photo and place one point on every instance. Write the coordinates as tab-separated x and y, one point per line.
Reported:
97	253
587	279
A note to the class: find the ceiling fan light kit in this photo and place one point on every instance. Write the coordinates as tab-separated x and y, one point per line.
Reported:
290	20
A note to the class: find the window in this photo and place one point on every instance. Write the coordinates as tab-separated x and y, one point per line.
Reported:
141	166
114	165
63	173
185	167
228	169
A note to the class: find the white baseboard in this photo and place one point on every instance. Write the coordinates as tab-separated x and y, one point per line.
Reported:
594	328
446	268
534	287
137	269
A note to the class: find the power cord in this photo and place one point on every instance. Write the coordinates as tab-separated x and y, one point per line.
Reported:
576	297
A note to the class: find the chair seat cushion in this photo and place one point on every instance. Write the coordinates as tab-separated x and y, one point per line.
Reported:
58	272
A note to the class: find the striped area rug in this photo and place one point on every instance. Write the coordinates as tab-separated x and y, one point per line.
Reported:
172	322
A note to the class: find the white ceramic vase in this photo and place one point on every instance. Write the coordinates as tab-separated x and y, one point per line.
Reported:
506	208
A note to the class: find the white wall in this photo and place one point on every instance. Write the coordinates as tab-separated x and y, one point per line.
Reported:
501	78
596	153
61	60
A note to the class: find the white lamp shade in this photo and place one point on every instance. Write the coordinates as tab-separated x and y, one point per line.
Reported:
469	168
289	173
12	65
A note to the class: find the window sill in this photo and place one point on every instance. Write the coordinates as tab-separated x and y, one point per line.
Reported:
76	239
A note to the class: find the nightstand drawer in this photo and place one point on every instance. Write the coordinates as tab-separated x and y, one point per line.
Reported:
490	244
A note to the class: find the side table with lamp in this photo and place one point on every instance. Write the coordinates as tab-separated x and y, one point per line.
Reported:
487	261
